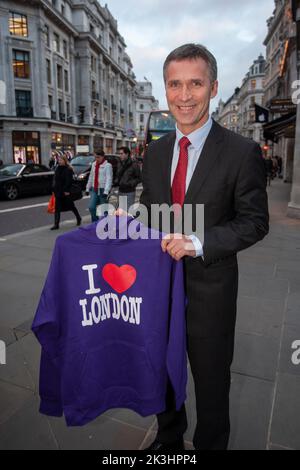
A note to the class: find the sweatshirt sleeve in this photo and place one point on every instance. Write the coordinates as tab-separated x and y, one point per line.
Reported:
46	327
176	351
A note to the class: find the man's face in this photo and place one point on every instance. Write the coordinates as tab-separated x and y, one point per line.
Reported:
189	91
123	155
99	159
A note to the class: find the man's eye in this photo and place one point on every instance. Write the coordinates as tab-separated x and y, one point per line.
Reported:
197	83
173	85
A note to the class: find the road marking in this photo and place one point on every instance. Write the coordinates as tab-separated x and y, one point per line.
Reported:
3	211
85	218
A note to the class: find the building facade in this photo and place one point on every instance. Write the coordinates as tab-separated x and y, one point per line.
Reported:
251	93
145	103
226	112
294	203
238	112
281	71
66	79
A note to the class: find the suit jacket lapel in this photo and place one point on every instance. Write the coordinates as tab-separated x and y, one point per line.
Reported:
210	152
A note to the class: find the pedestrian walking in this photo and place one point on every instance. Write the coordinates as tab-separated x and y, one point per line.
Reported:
99	183
63	179
279	166
128	177
275	166
268	162
52	162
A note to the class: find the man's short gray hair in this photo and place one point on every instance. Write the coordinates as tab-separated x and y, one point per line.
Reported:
193	51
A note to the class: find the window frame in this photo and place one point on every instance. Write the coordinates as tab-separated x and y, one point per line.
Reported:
26	70
12	24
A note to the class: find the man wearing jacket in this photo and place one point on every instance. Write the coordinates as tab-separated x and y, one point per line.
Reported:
128	177
204	163
99	183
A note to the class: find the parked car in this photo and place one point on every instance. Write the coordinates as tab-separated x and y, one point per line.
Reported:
82	167
20	179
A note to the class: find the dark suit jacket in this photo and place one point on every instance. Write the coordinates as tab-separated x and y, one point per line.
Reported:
230	181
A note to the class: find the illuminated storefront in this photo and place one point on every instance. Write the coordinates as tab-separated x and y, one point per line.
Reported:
26	147
63	143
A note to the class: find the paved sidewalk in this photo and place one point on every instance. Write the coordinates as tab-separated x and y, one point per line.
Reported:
265	395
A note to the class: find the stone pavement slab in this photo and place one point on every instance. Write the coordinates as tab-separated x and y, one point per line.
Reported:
265	392
285	429
250	409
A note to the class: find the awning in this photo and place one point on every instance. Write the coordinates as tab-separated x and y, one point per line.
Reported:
285	125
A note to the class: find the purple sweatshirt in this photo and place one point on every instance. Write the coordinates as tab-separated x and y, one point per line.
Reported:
111	323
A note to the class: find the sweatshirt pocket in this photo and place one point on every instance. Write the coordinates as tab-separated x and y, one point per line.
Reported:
119	366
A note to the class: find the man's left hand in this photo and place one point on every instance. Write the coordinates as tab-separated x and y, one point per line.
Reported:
178	246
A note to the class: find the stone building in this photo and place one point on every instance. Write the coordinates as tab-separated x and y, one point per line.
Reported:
66	81
145	103
294	204
251	93
281	71
226	112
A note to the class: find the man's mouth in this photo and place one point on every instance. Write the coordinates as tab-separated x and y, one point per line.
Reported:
186	109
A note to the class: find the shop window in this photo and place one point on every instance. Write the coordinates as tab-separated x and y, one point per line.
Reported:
83	140
26	147
109	146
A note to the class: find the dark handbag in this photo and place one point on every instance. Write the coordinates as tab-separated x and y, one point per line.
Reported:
75	191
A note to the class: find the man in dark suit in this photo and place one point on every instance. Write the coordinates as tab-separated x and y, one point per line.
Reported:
204	163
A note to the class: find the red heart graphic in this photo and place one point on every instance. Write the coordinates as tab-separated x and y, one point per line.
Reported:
120	278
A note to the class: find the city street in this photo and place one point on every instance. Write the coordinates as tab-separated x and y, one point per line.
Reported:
265	393
29	213
110	97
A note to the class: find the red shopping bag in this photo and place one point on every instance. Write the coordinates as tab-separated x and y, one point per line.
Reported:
51	205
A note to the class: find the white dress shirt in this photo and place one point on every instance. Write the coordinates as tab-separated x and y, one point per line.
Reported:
197	139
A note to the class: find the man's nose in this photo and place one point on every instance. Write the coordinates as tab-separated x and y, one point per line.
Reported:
185	93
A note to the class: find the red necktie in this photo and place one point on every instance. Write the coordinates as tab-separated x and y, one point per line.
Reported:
178	185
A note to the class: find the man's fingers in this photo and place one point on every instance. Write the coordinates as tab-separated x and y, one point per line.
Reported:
120	212
180	254
165	241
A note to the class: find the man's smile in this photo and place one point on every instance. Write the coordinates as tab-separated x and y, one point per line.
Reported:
186	109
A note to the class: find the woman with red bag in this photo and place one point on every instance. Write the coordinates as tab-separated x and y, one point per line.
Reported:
63	179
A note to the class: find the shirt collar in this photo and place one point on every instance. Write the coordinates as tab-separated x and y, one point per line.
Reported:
196	137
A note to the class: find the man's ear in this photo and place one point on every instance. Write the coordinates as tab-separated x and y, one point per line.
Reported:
214	89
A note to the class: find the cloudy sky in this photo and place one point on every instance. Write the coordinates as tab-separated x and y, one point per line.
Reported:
233	30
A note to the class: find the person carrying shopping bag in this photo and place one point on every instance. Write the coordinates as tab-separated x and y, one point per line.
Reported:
99	183
63	179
